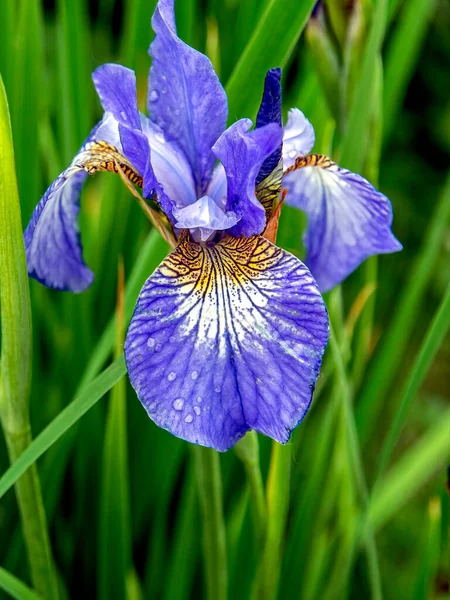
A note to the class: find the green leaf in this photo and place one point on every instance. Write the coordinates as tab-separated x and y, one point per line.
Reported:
402	55
357	130
16	588
271	44
384	367
411	472
70	415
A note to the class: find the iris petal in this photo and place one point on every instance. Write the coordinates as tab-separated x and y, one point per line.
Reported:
186	99
298	137
225	339
348	219
270	112
116	88
52	240
242	153
204	218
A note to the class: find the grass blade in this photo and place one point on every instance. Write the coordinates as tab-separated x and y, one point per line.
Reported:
355	139
16	588
91	394
410	473
402	54
270	46
387	360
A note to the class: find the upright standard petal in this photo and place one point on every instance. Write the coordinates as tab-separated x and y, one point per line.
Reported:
52	239
348	219
186	99
298	137
270	112
204	218
242	154
225	339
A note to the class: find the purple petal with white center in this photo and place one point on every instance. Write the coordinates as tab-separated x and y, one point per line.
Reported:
185	99
270	112
348	220
225	339
242	154
170	166
116	88
298	138
52	239
203	219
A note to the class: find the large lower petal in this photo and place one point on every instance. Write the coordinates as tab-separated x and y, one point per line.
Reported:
52	239
186	99
348	219
242	153
225	339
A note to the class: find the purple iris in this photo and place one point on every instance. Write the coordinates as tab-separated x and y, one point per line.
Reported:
228	333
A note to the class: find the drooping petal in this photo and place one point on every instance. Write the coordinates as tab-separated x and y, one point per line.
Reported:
225	339
242	153
298	137
186	99
52	239
204	218
116	88
348	219
270	112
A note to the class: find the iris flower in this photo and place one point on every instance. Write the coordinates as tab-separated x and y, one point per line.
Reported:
228	333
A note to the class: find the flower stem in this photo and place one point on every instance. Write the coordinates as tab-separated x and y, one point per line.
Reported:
34	522
278	484
214	539
247	450
16	362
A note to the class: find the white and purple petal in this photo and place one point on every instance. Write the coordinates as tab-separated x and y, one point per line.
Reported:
298	138
52	239
348	219
185	97
270	112
242	153
225	339
203	218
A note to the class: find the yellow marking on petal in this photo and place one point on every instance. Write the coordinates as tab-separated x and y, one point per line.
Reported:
101	156
312	160
268	190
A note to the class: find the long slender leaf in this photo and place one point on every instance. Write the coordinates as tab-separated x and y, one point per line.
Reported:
16	588
270	46
91	394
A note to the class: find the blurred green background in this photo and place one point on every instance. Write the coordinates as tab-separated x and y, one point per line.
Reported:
121	502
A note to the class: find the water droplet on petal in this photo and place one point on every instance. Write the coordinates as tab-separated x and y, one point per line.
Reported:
178	404
199	399
171	376
292	153
154	96
188	418
123	115
194	374
197	410
151	342
217	388
164	90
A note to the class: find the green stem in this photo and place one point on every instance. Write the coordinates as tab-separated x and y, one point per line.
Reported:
34	522
16	362
278	485
209	481
247	450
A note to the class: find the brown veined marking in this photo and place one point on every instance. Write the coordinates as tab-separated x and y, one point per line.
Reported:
231	262
101	156
312	160
268	190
